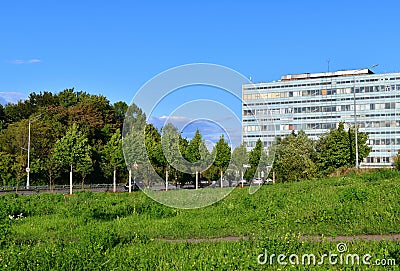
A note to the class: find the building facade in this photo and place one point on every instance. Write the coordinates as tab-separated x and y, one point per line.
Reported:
317	102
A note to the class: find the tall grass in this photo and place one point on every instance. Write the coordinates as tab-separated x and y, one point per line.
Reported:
119	231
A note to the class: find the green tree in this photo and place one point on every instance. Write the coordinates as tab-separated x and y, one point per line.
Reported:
113	157
43	138
43	100
133	143
254	159
183	176
174	151
14	141
73	150
193	150
294	160
336	149
240	157
7	169
19	111
120	109
68	97
222	159
198	155
396	161
154	149
2	118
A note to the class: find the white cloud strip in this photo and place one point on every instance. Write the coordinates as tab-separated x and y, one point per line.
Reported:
11	97
20	61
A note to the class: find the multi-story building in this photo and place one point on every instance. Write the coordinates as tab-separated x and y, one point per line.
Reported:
317	102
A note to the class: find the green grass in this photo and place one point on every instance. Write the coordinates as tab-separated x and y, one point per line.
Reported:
120	231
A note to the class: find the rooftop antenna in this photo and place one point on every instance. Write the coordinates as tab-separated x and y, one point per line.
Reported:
328	63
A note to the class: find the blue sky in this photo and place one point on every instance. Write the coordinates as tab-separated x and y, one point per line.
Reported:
114	47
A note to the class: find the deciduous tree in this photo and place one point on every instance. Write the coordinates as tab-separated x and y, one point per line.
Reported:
73	151
294	158
222	156
113	157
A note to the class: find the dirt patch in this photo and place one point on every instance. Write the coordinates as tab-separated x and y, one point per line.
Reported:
199	240
365	237
317	238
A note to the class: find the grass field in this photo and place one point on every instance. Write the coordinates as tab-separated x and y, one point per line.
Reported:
122	231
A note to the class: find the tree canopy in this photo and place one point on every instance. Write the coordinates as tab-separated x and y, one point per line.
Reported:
96	137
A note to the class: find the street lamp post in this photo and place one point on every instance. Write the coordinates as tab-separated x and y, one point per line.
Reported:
28	169
355	114
29	151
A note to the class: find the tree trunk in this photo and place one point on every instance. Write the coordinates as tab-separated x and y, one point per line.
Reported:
50	183
115	179
222	185
197	180
166	180
70	181
129	180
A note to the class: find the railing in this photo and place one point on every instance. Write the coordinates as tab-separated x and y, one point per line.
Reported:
33	188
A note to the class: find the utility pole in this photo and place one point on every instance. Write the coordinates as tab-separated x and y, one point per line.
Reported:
28	169
355	114
29	152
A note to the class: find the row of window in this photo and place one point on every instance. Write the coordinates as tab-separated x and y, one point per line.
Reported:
318	109
320	83
318	132
313	126
337	100
317	92
384	141
374	160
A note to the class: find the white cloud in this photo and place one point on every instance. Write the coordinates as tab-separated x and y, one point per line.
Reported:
32	61
177	121
16	62
210	131
11	97
175	118
20	61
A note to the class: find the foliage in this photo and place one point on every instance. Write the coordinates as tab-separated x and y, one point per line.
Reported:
193	150
396	161
294	159
240	157
222	154
197	154
73	151
257	160
154	149
336	149
176	152
53	115
7	168
134	136
120	109
112	155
